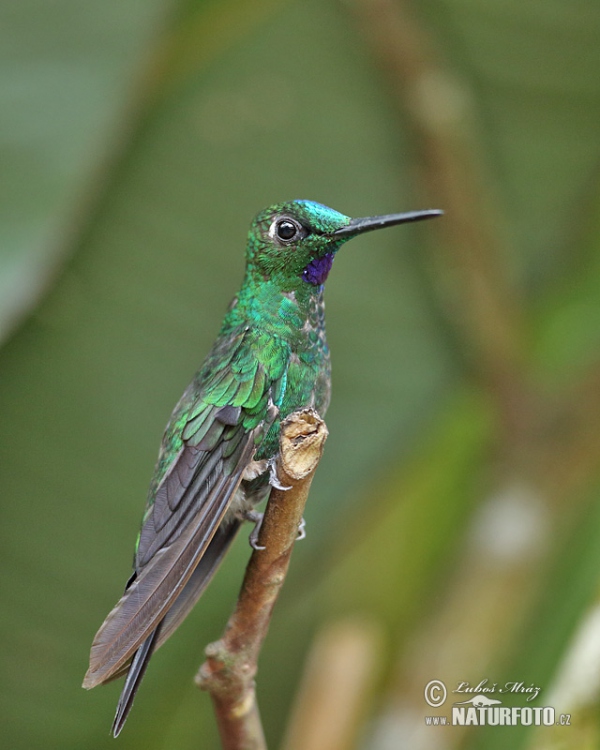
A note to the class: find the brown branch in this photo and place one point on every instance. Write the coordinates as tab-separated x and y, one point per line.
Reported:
231	662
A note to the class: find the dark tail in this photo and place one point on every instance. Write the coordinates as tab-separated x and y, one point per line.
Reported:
183	604
132	681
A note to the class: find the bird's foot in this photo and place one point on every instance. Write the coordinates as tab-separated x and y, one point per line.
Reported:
301	530
256	518
273	479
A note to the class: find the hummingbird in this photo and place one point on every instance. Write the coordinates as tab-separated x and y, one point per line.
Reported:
217	458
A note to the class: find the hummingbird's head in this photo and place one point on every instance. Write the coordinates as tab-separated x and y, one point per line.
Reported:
296	242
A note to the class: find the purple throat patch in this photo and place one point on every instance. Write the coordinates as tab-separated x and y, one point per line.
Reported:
318	269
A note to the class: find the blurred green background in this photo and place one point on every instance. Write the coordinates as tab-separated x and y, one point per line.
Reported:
454	523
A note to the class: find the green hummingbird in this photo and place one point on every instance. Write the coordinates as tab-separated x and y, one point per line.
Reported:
216	460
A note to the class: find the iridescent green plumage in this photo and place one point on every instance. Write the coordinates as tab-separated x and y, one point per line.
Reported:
270	359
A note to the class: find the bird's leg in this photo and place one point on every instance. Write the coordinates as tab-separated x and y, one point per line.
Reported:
256	518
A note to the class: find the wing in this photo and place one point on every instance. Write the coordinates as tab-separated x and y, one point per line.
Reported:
149	597
191	592
211	438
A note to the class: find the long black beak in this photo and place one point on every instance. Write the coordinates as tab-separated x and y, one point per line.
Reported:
358	226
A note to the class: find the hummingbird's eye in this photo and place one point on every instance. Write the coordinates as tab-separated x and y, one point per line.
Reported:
287	230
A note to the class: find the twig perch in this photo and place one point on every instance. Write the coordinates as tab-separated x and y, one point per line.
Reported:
231	662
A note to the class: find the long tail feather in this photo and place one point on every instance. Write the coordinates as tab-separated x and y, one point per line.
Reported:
132	682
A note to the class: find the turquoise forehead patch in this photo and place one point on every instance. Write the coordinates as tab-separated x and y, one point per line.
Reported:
319	216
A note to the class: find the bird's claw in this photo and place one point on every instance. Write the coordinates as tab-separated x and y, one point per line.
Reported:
256	518
273	478
301	530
